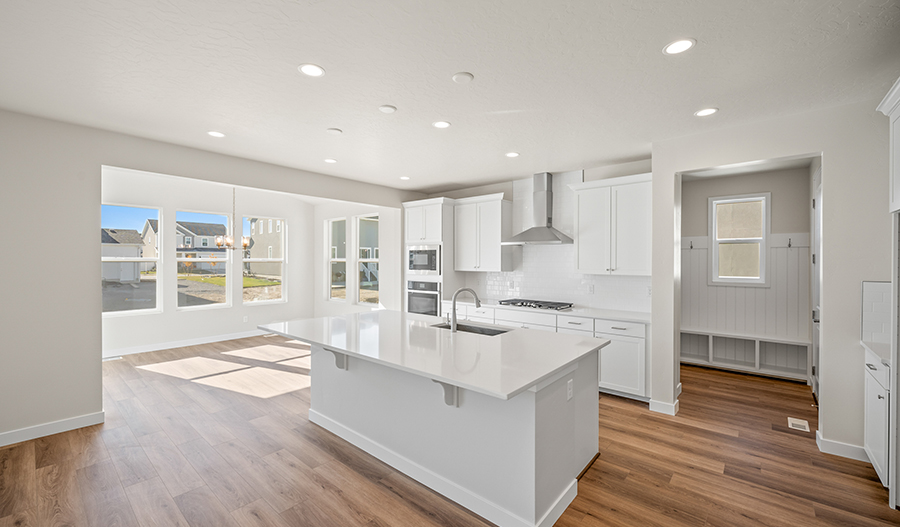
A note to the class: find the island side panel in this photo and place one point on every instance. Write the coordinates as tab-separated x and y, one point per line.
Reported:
480	454
567	437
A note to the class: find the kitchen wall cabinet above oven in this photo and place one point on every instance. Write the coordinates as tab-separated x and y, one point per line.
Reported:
428	220
612	226
480	224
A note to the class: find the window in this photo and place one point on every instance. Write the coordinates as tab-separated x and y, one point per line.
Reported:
204	242
202	271
270	226
368	259
337	264
129	242
277	225
738	231
263	265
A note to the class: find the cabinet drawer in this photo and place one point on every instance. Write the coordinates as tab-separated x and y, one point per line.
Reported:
473	312
879	371
526	317
571	331
483	320
579	323
613	327
523	325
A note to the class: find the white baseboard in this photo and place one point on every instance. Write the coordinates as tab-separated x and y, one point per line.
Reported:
179	343
678	390
837	448
442	485
664	408
63	425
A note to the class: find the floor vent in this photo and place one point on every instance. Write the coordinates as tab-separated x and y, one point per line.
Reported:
798	424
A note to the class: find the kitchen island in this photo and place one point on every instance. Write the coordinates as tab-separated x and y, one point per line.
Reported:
500	424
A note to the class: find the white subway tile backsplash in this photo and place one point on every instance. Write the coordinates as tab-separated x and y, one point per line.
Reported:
548	272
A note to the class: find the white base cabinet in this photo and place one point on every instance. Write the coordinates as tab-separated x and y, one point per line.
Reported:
622	364
877	415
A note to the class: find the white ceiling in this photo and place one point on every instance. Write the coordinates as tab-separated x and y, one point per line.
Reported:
568	84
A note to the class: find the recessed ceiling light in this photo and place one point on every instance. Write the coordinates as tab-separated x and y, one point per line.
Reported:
329	160
463	77
334	131
387	108
404	178
311	69
512	154
215	134
440	124
706	111
679	46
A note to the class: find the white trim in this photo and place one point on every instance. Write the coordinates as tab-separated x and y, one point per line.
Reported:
181	343
475	503
664	408
608	182
55	427
837	448
891	101
678	390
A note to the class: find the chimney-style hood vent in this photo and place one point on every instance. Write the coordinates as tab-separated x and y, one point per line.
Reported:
543	232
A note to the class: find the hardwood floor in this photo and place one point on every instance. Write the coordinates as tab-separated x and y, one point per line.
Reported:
218	435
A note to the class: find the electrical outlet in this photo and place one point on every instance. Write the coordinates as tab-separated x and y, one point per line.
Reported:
570	389
649	291
246	318
590	289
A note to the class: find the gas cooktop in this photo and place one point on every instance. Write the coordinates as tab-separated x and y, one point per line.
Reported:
537	304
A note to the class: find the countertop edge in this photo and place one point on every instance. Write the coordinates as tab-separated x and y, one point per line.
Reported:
881	349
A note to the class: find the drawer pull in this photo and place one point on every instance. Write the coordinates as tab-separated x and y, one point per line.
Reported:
524	326
871	367
620	329
575	323
881	397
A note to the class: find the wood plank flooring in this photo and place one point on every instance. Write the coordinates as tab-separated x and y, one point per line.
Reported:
237	450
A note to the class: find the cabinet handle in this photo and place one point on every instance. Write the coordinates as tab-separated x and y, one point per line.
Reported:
620	329
607	269
871	367
524	326
576	323
881	397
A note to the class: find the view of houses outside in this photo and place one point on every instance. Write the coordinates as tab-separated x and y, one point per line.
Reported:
127	285
338	259
368	260
130	257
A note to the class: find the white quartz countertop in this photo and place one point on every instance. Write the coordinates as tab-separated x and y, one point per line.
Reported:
500	366
881	349
576	311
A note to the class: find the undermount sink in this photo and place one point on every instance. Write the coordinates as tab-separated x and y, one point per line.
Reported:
468	328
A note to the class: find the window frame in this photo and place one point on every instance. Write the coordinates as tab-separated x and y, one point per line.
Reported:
229	228
332	259
142	259
373	258
269	259
764	242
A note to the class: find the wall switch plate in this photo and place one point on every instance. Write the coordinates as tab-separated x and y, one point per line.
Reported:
570	389
246	318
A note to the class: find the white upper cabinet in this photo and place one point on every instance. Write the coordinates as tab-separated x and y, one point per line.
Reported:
890	106
613	226
480	224
423	223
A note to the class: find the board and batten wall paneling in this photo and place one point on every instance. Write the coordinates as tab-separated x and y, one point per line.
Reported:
780	310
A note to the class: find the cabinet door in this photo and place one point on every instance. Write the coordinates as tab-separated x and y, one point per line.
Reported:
431	223
876	425
415	224
592	231
622	364
631	224
489	218
465	220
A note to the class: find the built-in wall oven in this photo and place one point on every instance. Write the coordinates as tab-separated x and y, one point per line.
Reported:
424	259
423	298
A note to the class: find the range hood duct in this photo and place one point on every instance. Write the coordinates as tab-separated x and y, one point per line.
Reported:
543	232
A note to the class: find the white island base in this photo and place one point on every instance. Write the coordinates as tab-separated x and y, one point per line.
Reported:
514	462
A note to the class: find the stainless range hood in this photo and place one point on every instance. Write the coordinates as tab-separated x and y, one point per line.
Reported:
543	232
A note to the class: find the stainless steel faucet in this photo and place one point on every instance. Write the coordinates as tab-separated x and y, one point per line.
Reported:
453	314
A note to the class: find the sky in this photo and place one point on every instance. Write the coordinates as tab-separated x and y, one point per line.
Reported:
116	217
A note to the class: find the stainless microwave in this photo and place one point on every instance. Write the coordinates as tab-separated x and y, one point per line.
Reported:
424	259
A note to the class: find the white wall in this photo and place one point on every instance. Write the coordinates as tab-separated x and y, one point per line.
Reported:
853	141
50	174
390	266
129	332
